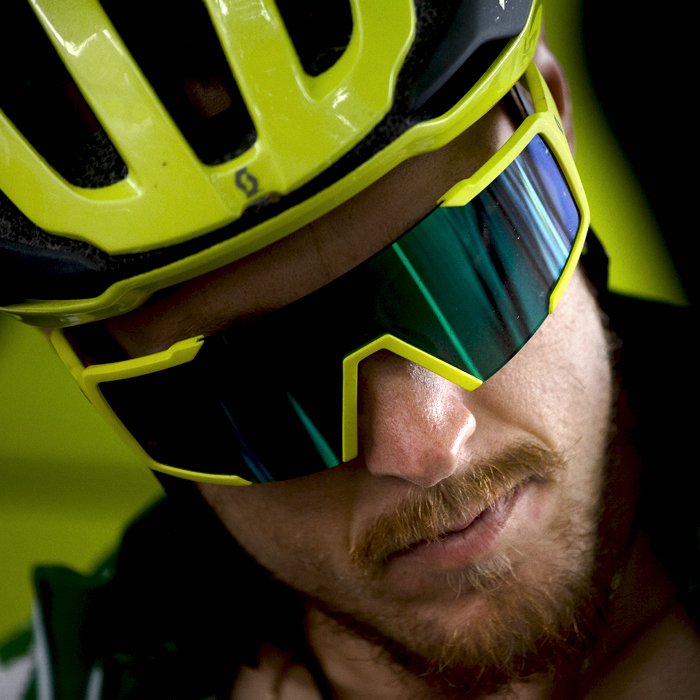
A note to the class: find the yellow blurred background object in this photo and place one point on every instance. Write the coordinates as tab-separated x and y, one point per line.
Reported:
68	485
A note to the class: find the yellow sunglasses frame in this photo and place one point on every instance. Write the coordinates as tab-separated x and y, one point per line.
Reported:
545	122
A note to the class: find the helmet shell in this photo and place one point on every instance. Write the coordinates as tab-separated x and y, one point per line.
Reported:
86	253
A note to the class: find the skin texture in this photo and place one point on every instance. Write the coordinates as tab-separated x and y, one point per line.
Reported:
419	433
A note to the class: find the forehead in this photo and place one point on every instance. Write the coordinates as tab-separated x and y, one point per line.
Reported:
315	254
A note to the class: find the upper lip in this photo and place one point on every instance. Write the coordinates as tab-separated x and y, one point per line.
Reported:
457	527
464	523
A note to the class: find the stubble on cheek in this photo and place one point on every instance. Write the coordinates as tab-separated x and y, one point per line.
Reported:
510	616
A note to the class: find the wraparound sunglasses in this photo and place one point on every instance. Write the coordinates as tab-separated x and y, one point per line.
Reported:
275	397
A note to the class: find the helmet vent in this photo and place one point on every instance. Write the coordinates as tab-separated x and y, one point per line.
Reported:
179	52
45	105
320	31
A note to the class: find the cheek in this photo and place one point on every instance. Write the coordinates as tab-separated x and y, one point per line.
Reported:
583	364
559	386
293	529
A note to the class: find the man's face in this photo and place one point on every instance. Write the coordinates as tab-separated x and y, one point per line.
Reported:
468	517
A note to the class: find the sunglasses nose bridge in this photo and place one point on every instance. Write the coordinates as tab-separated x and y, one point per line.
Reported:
412	423
424	367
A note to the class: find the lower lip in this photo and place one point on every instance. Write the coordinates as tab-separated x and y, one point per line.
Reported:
467	544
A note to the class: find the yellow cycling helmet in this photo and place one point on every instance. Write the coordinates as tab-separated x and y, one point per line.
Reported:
139	153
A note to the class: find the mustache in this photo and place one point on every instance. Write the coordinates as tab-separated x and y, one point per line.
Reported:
426	515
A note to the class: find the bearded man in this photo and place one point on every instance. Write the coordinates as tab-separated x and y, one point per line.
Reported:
321	271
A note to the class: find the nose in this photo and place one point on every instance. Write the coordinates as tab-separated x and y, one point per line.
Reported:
412	423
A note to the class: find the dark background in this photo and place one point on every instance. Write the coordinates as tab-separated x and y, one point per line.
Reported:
639	60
